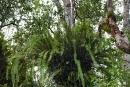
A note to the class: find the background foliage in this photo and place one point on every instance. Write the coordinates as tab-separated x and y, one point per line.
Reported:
44	52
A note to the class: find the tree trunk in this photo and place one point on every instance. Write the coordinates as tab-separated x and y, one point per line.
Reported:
122	41
126	27
69	12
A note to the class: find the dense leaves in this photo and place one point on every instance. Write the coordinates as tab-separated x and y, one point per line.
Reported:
4	54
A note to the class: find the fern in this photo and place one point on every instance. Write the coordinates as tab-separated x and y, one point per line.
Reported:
88	48
77	62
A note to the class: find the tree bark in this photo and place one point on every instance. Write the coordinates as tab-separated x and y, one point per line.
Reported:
69	12
122	41
126	27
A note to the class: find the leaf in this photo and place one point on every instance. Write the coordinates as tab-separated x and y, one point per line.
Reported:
88	48
5	85
36	3
77	62
53	74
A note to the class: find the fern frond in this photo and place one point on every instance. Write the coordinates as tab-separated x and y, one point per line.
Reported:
77	62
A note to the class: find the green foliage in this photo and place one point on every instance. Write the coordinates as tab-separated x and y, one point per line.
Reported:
61	58
77	62
89	9
110	13
106	28
4	54
67	56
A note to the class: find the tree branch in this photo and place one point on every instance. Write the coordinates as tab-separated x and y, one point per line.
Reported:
122	41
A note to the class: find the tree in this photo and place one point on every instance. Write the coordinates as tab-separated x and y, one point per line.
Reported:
126	56
122	41
60	46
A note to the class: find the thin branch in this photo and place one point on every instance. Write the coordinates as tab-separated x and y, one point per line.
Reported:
12	23
51	30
